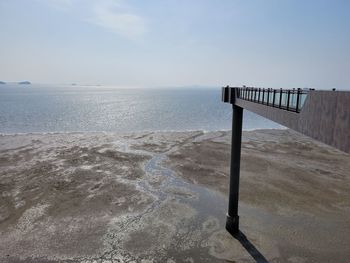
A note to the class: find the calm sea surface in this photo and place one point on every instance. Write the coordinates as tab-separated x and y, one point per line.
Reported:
38	108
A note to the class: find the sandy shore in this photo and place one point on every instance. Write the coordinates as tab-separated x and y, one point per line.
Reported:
162	197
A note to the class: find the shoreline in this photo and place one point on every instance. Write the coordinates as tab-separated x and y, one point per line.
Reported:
134	132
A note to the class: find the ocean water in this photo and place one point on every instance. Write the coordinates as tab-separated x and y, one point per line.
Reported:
40	108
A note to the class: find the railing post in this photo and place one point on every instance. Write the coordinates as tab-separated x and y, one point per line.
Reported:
268	97
232	219
288	97
280	98
255	95
273	99
298	100
263	95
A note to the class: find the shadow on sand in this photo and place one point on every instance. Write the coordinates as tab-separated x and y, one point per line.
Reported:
251	249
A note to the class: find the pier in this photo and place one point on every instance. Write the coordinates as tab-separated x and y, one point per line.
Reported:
321	115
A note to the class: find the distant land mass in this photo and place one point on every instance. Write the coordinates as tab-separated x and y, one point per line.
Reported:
24	83
1	82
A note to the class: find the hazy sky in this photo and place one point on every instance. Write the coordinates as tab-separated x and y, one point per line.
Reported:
269	43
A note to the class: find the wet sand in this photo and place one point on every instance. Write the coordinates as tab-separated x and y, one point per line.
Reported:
162	197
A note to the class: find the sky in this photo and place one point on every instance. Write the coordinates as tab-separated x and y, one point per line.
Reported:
160	43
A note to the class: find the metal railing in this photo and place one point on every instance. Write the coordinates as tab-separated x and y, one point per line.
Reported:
290	100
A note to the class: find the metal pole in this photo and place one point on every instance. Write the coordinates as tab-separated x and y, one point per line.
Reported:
280	98
232	220
263	96
298	100
255	91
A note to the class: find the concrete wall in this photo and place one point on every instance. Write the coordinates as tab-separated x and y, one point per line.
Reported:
325	116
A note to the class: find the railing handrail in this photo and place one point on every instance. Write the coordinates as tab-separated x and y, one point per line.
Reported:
286	99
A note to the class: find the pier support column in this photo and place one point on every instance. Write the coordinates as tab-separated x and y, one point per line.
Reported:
232	220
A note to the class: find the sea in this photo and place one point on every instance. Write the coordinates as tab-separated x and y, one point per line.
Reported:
72	108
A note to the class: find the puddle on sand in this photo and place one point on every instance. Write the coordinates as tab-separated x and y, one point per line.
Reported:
180	221
209	207
207	203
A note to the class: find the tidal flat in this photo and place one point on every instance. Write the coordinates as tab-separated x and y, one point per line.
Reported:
162	197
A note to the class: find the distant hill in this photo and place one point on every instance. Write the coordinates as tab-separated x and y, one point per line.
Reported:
24	83
1	82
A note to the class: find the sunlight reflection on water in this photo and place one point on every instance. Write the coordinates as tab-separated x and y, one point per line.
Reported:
76	108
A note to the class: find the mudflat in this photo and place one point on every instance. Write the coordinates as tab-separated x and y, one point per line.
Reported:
162	197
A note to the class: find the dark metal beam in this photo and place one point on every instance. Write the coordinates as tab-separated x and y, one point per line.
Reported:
232	220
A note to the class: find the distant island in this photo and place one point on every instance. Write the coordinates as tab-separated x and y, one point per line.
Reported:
1	82
24	83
